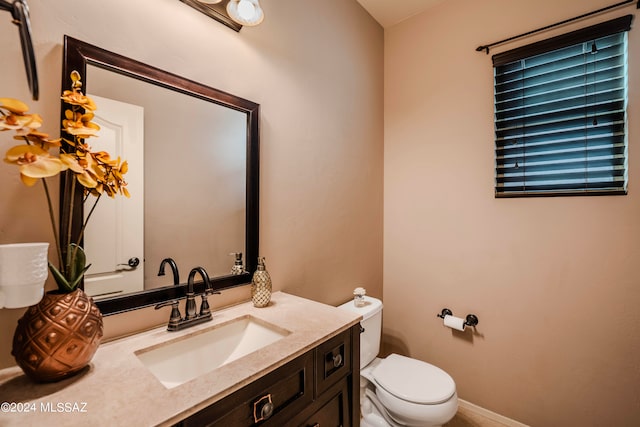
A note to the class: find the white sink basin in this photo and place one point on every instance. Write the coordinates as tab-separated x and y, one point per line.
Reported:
182	359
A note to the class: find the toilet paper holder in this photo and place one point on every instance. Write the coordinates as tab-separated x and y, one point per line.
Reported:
470	320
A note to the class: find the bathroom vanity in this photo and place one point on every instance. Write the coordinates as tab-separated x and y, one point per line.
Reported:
293	366
315	389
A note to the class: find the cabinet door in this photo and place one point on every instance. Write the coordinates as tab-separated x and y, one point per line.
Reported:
335	412
333	362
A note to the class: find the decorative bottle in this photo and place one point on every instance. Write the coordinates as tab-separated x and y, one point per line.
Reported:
238	267
261	285
358	297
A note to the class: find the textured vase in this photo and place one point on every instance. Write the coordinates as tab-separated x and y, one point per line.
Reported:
261	285
57	337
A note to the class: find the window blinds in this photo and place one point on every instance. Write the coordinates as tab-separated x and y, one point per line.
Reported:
560	114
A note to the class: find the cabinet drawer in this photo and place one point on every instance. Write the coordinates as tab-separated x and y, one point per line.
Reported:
333	361
287	390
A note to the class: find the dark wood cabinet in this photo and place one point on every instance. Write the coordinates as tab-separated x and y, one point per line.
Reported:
335	409
317	389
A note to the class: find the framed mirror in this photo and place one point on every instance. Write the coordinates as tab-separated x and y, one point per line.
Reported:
194	174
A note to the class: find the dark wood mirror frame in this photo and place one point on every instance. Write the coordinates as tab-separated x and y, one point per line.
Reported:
77	55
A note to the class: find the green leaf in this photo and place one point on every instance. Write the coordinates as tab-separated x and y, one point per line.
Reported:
61	281
75	263
77	280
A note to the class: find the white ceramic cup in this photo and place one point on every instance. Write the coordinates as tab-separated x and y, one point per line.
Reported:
23	271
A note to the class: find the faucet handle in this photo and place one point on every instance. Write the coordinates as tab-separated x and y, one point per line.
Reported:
204	305
175	317
166	303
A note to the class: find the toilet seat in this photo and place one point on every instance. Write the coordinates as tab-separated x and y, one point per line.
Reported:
413	381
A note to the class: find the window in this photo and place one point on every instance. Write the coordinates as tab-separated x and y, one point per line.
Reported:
560	114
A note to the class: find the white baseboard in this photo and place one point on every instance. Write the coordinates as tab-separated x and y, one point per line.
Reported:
489	414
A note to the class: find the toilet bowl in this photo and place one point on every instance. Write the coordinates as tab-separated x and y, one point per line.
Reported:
398	390
412	392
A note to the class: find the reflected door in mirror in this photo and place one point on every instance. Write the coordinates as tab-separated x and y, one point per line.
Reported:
115	233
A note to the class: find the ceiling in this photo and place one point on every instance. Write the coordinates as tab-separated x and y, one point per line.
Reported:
390	12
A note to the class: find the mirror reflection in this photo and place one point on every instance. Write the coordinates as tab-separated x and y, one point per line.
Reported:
193	177
189	204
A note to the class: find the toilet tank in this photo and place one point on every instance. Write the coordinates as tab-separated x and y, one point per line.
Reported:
371	322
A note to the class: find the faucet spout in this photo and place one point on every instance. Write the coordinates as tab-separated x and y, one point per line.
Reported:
205	278
205	310
192	317
191	304
174	269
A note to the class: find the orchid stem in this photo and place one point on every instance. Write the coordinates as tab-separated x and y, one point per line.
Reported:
71	197
53	221
86	221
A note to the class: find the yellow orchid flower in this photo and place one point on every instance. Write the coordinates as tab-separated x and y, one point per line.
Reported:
124	167
79	125
41	139
82	130
72	162
104	158
13	105
34	162
79	167
16	118
21	123
73	97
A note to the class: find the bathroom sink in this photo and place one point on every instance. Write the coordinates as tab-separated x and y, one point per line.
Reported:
185	358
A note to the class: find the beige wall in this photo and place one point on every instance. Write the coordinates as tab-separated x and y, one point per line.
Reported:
316	68
554	281
554	287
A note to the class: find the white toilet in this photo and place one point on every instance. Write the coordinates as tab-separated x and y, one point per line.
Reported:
397	390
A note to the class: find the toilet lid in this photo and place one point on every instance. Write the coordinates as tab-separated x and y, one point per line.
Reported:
414	380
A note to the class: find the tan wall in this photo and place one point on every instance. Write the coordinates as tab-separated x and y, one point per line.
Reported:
316	68
554	281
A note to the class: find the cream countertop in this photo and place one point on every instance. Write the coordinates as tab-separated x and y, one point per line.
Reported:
118	390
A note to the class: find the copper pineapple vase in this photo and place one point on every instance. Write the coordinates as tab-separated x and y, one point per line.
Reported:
57	337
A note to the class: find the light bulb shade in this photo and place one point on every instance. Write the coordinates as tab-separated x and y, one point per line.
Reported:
210	1
23	271
245	12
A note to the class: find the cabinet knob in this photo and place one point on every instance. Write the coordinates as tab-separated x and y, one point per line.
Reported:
263	408
337	360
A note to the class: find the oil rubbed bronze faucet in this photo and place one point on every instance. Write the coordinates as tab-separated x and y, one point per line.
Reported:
192	316
174	270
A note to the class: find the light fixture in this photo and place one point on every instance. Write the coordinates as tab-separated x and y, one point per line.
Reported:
245	12
232	13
